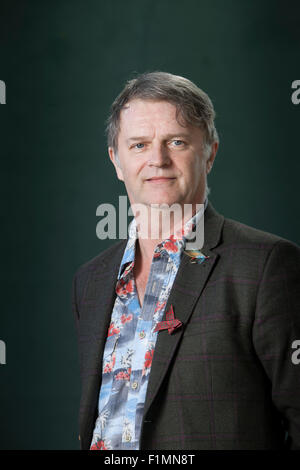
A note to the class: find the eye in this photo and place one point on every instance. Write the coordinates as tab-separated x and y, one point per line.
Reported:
177	142
139	146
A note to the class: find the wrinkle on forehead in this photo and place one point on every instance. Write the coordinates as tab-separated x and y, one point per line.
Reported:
135	111
137	104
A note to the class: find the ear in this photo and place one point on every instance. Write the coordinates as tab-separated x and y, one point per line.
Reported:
112	156
212	156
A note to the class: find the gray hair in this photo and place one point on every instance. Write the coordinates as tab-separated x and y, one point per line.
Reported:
193	105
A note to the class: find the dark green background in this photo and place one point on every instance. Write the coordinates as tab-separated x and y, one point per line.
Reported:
63	63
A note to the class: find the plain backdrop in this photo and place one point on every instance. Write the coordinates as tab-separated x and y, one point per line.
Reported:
64	62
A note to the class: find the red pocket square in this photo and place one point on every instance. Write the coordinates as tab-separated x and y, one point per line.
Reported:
170	324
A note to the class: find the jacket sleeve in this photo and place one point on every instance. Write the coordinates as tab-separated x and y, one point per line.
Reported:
276	333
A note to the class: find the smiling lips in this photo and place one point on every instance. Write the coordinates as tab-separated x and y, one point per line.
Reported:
159	179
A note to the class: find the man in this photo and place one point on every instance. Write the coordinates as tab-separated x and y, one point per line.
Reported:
181	351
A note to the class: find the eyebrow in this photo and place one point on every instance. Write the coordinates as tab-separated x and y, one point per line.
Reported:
134	139
166	137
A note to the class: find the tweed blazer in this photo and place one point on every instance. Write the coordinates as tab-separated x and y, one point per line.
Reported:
226	378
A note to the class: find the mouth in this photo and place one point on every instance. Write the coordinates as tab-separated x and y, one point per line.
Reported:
159	179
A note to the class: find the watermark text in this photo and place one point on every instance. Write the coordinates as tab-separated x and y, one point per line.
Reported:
152	221
2	352
2	92
296	94
296	354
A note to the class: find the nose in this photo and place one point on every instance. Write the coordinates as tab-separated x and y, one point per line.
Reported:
159	156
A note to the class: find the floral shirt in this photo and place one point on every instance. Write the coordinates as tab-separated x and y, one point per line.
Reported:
131	342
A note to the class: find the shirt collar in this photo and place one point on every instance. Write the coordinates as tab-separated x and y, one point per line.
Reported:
129	253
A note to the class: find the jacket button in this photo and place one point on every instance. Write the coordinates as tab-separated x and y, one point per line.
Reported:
79	437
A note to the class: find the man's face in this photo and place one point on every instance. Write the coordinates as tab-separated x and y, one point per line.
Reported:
160	160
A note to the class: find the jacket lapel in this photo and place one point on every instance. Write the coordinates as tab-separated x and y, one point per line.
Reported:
187	288
94	322
99	298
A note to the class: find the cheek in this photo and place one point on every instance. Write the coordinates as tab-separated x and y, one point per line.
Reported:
127	169
120	173
131	174
194	167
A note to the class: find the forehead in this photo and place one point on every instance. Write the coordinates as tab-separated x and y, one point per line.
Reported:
149	114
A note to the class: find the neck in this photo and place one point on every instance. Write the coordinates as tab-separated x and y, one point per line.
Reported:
155	224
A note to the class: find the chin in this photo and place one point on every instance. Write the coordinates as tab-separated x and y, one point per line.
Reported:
165	198
161	199
160	202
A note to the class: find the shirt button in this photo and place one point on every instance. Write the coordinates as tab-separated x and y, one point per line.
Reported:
134	385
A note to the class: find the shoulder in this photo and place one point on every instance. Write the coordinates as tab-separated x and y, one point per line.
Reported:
252	260
104	260
240	237
240	232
